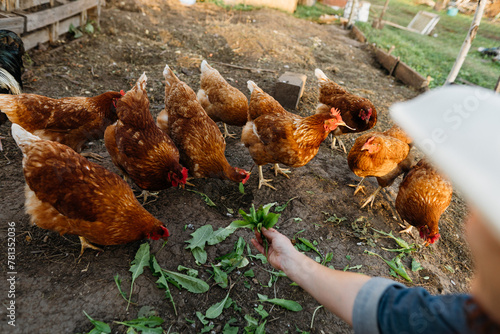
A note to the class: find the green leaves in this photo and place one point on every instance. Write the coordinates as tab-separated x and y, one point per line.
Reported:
150	325
256	219
191	284
216	309
141	260
207	199
310	245
99	326
200	237
287	304
220	277
415	266
162	281
405	247
220	235
395	264
145	325
281	208
118	283
206	235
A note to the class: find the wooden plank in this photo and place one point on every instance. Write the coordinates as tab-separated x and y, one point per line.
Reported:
409	76
385	59
12	22
400	70
8	5
31	40
25	4
50	16
286	5
358	34
64	25
395	25
49	33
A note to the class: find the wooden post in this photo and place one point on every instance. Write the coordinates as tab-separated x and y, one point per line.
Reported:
377	23
467	43
497	87
352	14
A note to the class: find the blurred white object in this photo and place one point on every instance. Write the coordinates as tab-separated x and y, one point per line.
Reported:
361	12
457	128
188	2
364	11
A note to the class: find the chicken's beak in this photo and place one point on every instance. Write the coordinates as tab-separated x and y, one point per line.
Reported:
343	124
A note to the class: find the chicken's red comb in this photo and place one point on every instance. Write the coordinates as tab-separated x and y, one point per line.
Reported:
184	175
122	92
335	111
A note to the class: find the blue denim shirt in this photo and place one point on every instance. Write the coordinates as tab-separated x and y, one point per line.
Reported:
385	306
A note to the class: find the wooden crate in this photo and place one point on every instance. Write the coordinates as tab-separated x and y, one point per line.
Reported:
40	21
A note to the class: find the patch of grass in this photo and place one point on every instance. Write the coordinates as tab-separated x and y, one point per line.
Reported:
314	12
240	7
435	56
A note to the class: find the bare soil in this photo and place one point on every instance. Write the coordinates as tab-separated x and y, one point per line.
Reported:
54	286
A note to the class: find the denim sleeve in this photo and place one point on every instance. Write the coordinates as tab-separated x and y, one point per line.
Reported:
384	306
365	310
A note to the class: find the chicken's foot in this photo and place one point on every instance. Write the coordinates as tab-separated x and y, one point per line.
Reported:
341	144
371	199
92	155
262	181
86	244
407	230
358	187
283	171
227	134
146	194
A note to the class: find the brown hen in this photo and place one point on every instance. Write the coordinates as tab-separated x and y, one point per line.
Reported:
384	155
69	194
422	198
71	121
274	135
139	148
221	101
357	112
199	140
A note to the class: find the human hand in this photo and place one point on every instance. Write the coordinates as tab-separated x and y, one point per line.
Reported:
280	250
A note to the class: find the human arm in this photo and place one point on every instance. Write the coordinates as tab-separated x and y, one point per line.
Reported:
313	277
370	305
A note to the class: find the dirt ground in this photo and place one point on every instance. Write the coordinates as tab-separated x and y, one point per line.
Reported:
54	287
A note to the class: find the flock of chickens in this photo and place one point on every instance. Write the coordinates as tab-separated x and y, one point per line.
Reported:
67	193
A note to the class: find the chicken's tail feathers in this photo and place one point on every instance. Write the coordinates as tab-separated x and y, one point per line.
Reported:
252	86
8	104
22	137
9	83
169	75
142	81
202	98
320	75
205	67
